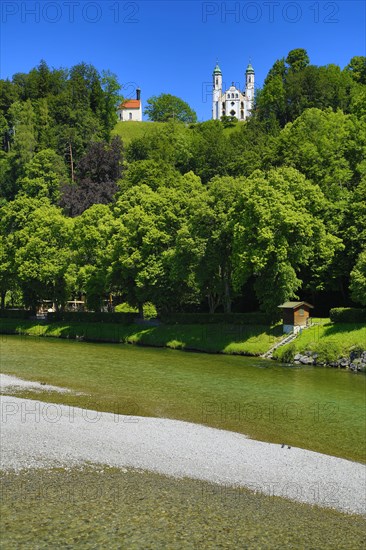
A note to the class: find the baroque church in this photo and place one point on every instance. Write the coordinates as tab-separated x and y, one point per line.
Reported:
233	102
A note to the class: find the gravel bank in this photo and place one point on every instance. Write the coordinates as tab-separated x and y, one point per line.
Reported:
12	384
38	435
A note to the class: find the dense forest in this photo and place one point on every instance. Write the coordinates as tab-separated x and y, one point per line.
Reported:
212	216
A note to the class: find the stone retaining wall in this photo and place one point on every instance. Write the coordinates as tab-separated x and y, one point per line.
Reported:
356	361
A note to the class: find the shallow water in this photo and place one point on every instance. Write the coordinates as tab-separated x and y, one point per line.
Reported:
310	407
107	508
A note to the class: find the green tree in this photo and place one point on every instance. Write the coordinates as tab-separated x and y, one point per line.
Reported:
149	260
42	256
89	270
24	140
293	85
8	96
45	129
45	173
110	99
276	235
210	150
166	106
14	216
352	230
358	101
358	279
357	68
152	173
297	60
211	227
170	143
271	100
325	146
250	148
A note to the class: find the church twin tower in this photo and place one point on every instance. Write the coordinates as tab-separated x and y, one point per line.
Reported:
233	102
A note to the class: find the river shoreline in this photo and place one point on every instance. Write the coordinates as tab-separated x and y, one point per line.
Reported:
244	340
178	449
217	339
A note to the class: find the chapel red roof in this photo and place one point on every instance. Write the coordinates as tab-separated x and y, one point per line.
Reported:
130	104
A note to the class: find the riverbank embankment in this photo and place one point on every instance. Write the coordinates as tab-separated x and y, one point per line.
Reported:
232	339
325	343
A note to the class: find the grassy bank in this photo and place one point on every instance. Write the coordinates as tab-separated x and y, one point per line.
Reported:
329	340
108	508
228	339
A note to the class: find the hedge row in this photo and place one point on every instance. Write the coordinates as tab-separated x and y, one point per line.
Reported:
347	315
255	318
91	317
15	314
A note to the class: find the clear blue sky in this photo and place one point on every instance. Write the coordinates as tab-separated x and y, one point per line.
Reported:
172	46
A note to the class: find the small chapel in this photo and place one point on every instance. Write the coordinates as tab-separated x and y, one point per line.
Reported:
131	109
233	102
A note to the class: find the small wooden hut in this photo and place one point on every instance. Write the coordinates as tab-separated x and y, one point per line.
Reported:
295	314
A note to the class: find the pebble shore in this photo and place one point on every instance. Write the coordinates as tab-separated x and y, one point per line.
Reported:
36	434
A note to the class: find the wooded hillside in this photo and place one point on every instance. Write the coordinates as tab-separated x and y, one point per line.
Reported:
188	217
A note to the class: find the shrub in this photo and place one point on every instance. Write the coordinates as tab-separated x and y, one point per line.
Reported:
91	317
15	314
255	318
328	351
286	353
347	315
149	310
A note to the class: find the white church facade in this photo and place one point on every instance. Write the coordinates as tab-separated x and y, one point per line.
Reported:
233	102
131	109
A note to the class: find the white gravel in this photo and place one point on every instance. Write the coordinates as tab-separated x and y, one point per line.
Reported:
40	435
12	384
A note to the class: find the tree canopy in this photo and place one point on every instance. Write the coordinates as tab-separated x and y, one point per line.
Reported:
190	216
166	106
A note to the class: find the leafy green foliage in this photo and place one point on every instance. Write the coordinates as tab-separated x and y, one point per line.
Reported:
276	235
189	217
166	106
358	280
255	318
42	256
293	85
125	318
149	310
347	315
45	173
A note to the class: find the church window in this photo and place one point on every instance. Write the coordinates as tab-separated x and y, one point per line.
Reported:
236	95
242	114
232	103
242	104
232	112
130	116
